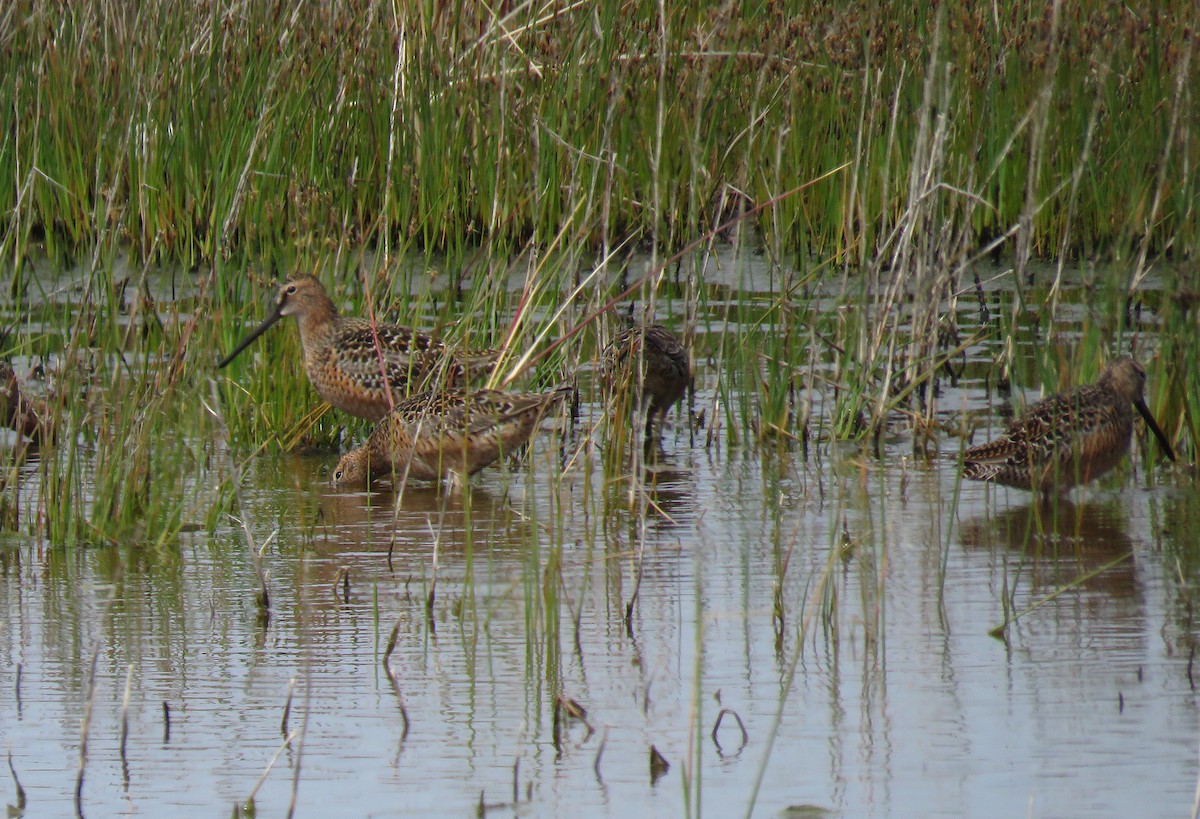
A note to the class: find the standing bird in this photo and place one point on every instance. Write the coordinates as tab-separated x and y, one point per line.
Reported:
666	372
449	434
347	358
28	416
1068	439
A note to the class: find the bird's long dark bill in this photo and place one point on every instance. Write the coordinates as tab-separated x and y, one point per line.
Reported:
1158	433
248	340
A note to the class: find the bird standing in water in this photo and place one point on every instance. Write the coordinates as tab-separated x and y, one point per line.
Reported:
361	367
666	371
1071	438
449	434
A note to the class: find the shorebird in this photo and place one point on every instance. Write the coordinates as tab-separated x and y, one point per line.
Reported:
1071	438
666	372
347	359
28	416
450	434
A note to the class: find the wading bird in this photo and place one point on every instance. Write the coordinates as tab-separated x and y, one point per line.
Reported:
1068	439
360	367
666	372
449	434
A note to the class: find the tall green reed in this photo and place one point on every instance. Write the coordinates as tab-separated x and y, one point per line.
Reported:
216	130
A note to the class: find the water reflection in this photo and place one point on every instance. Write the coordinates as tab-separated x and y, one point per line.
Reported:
1061	542
409	521
665	492
653	589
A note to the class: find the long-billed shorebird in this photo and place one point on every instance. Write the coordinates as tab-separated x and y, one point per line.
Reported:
450	434
666	371
1071	438
360	367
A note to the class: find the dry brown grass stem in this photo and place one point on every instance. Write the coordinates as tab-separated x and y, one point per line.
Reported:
125	720
287	741
395	683
85	726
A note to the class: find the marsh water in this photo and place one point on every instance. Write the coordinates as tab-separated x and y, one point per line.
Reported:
841	600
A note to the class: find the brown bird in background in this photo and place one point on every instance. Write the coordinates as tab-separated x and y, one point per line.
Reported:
665	370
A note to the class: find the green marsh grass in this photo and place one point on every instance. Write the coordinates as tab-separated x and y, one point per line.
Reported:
116	381
202	132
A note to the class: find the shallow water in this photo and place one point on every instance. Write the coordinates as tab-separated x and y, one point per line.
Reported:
840	603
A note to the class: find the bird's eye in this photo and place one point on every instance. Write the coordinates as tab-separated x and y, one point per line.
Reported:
337	476
291	289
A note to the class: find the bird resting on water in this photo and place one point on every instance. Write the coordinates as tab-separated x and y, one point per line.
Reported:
449	434
1071	438
347	359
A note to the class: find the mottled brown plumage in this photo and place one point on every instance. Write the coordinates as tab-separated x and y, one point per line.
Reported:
450	434
1068	439
666	372
347	358
19	412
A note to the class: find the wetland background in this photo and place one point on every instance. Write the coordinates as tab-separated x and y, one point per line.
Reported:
877	229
